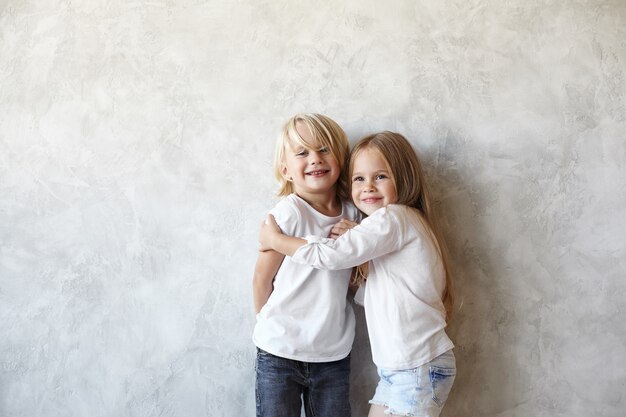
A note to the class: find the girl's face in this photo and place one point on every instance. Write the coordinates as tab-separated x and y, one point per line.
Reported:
373	185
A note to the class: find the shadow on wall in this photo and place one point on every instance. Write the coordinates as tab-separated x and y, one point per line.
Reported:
363	376
478	315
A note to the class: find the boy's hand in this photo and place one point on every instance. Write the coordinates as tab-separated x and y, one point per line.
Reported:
340	228
269	229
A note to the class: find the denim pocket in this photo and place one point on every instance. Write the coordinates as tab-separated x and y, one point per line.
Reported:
441	380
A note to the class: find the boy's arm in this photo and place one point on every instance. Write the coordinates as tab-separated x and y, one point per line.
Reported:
271	238
267	265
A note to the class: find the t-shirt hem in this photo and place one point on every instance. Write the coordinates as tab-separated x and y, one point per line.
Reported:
418	363
301	358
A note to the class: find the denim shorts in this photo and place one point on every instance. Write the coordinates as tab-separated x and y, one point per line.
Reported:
421	391
285	386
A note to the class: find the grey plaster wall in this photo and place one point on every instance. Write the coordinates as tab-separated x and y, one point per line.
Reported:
135	166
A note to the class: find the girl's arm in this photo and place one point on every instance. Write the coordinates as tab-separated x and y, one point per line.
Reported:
265	270
379	234
271	238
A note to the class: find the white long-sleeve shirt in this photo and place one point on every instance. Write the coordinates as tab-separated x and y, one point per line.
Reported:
403	296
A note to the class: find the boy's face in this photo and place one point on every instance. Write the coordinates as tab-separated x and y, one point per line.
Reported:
311	170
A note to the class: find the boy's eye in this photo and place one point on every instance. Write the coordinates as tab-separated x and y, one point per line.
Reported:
302	153
324	150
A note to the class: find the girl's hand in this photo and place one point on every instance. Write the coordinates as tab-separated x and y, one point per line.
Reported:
340	228
269	230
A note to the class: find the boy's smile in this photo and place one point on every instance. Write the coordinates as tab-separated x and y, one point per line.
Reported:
318	173
312	170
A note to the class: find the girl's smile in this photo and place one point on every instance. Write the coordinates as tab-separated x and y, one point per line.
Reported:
373	186
371	200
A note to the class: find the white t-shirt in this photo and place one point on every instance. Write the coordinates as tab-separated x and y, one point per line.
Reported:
307	317
403	307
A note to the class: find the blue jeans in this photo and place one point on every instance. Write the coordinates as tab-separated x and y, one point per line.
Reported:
282	384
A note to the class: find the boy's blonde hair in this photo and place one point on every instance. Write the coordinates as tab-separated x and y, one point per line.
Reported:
412	190
326	134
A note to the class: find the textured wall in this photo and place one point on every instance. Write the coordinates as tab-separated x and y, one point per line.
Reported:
135	152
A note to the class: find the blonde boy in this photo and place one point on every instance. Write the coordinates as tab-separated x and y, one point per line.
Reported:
305	324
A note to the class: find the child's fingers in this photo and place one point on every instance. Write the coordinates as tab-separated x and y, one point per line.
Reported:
340	228
346	223
334	235
267	230
335	232
270	220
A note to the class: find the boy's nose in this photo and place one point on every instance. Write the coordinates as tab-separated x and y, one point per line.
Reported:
315	157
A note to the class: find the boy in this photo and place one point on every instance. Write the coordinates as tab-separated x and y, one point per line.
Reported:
305	324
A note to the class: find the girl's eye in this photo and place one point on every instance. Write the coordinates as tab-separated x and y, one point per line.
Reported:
355	179
324	150
302	153
381	177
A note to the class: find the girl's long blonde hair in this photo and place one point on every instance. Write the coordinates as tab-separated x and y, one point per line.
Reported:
412	190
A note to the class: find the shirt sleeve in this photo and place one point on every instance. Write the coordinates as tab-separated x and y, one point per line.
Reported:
377	235
286	216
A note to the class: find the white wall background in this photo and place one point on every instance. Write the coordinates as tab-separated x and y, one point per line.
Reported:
136	141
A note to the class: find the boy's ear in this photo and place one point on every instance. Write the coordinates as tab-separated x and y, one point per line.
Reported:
284	173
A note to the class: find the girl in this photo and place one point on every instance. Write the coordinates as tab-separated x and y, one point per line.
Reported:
305	325
408	293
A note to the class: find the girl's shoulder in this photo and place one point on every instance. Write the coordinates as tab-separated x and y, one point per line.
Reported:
396	211
412	219
400	216
389	217
404	211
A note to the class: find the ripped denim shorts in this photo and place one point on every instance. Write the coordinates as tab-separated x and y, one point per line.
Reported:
417	392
